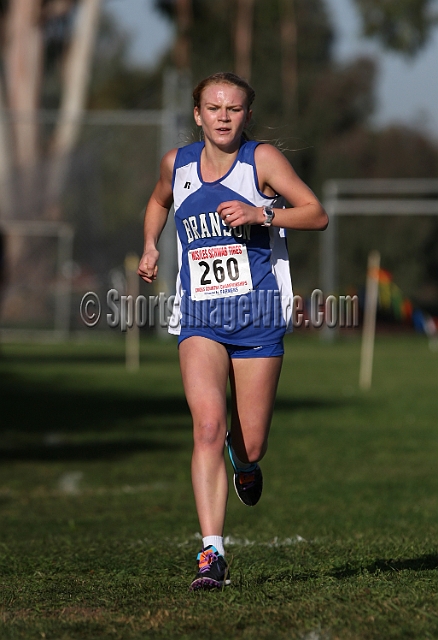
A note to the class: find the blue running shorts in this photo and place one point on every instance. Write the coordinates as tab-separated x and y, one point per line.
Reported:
239	351
264	351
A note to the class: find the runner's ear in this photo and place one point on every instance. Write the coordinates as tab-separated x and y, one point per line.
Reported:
197	116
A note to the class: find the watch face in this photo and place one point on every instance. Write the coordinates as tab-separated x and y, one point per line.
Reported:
269	216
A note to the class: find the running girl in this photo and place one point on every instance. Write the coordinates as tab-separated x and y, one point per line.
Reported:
234	294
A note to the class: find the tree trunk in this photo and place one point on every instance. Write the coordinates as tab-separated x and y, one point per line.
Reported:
243	38
289	70
77	74
30	259
23	69
182	48
6	177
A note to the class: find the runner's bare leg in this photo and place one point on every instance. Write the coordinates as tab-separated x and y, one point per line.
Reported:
254	386
205	368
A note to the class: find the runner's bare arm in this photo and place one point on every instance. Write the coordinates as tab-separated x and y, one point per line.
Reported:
155	218
276	176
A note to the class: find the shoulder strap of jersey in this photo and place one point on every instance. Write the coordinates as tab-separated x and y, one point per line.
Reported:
246	151
190	153
187	155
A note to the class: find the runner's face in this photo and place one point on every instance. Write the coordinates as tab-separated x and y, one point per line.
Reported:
223	114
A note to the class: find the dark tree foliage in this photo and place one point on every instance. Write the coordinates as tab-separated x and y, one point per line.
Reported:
212	38
401	25
315	38
212	41
57	32
167	7
115	83
341	99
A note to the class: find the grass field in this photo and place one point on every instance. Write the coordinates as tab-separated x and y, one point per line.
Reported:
98	531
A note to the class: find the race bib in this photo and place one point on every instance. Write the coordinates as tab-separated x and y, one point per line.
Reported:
219	272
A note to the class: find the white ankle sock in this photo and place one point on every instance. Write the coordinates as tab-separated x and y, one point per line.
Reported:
216	541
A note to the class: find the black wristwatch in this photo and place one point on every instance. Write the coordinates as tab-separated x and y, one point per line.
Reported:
269	216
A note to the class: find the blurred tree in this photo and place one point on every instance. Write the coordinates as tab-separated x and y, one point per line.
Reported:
289	63
39	35
318	112
310	54
106	196
400	25
182	49
35	35
243	38
115	83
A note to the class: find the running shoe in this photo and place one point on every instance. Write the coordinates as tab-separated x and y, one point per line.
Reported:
248	482
213	572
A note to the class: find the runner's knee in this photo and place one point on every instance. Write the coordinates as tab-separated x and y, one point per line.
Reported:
209	433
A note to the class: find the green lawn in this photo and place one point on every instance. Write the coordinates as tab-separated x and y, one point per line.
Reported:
98	531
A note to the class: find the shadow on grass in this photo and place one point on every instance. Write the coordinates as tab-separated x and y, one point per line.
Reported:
428	562
89	357
71	452
43	422
312	403
30	408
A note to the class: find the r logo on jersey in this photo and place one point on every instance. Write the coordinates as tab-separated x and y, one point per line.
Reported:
187	185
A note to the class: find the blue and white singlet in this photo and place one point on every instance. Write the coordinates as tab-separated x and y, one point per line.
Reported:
233	284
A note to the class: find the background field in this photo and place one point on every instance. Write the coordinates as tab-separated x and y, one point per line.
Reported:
98	534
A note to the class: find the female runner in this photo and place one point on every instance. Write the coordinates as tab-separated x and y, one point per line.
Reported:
234	295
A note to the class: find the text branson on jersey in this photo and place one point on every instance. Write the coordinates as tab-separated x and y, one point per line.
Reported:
212	226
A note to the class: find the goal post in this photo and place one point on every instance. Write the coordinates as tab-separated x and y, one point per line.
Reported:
396	196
